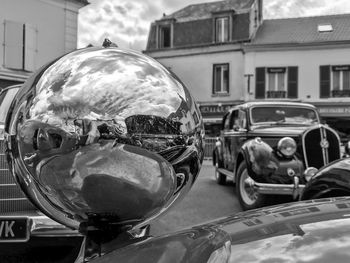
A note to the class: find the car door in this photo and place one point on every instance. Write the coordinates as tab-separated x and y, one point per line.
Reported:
225	140
236	136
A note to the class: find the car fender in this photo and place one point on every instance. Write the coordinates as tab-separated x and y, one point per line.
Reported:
331	181
259	159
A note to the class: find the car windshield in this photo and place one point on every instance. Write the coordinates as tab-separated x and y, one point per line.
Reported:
285	115
6	98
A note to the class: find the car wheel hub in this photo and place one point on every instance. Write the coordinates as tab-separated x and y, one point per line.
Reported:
248	194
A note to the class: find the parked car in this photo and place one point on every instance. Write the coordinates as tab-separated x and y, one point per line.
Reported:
266	147
309	231
26	234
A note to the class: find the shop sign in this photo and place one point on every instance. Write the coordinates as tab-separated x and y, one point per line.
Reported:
334	111
276	70
341	68
214	110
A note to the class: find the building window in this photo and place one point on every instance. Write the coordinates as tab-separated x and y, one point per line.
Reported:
221	29
221	79
335	81
276	82
165	36
20	46
325	28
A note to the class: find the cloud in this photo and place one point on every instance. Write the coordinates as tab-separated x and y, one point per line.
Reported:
127	22
120	9
108	10
296	8
124	22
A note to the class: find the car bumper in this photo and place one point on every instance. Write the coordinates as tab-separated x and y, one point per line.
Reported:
294	189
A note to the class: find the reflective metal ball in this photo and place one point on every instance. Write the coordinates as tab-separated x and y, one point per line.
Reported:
104	136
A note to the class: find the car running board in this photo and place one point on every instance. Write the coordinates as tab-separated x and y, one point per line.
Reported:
226	172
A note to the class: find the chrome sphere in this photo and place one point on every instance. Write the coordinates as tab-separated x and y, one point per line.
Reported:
104	136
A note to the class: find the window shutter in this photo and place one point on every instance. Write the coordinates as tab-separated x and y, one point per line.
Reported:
325	81
30	47
13	55
260	83
216	79
292	82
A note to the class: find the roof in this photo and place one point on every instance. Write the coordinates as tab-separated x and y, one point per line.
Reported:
83	2
303	30
275	103
205	10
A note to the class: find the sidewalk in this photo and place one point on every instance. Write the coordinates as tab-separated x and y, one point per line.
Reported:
208	162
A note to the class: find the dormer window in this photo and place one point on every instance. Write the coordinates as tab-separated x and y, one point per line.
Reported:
325	28
165	36
221	29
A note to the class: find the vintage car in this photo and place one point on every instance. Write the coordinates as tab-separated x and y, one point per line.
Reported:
266	148
45	237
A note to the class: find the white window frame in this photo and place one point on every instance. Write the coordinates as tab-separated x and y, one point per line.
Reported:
220	23
223	90
276	81
341	80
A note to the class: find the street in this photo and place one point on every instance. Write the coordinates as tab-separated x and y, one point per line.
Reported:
206	201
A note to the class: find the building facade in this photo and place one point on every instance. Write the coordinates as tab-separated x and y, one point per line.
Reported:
304	59
202	44
301	59
32	33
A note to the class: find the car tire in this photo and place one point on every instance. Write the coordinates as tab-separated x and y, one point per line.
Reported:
247	196
219	177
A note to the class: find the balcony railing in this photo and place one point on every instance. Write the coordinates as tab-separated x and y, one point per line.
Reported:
341	93
276	94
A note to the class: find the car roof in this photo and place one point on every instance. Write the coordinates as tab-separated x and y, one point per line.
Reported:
251	104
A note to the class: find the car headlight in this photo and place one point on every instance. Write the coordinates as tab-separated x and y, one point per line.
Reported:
309	173
287	146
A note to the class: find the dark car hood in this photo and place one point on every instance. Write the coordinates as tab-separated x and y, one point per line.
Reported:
309	231
283	130
331	180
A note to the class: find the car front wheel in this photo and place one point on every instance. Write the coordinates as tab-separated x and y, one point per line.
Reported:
247	196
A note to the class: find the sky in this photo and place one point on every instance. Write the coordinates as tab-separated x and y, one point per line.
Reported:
127	22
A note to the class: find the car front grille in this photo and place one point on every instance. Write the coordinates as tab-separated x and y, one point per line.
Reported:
12	198
321	146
